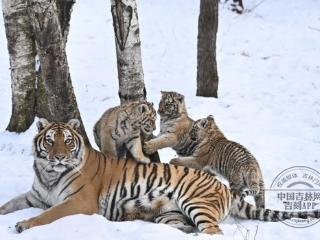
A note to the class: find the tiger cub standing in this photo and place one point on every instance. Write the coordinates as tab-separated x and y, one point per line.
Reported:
216	154
175	125
72	178
122	129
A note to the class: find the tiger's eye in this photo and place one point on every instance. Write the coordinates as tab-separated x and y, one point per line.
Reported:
68	141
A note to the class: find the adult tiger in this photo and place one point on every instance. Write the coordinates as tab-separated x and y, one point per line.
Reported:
71	178
122	129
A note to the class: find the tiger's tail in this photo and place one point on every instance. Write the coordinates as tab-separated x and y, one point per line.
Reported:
242	209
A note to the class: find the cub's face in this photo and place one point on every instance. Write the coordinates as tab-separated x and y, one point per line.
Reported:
171	104
201	128
148	124
144	117
58	144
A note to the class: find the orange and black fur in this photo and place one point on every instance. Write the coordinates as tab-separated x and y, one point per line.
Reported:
71	178
216	154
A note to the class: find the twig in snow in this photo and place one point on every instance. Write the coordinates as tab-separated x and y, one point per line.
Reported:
256	232
239	226
315	29
255	6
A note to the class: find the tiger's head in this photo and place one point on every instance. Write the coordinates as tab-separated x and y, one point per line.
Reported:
204	128
172	104
58	144
143	116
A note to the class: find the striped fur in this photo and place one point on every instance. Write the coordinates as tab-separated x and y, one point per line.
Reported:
216	154
120	190
121	129
175	125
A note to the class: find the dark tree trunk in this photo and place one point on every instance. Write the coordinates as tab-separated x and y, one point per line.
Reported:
55	99
128	48
22	54
207	74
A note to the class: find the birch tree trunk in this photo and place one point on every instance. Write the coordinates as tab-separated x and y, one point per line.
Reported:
22	53
207	74
128	48
55	99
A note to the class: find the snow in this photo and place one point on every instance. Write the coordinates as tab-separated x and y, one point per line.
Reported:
269	68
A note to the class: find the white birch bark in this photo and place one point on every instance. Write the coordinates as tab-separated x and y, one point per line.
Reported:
56	100
128	48
22	53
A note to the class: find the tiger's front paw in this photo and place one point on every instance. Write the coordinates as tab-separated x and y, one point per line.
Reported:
176	161
2	211
149	147
23	225
144	160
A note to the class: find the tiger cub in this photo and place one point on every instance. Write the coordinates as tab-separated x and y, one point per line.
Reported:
216	154
72	178
175	125
121	129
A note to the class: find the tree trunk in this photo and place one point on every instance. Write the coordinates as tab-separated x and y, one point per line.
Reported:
128	48
22	53
207	74
55	97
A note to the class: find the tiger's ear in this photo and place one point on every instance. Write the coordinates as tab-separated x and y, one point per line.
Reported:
204	123
42	123
74	123
180	98
143	108
210	117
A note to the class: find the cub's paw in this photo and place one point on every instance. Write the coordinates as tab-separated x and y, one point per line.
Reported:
144	160
175	161
23	225
2	211
149	147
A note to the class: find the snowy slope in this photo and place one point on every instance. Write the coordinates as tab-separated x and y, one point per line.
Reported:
269	69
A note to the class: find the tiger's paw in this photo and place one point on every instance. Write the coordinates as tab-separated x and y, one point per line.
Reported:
2	211
175	161
23	225
144	160
149	147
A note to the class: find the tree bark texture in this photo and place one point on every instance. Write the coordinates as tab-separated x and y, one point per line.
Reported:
128	48
37	29
56	100
21	47
207	74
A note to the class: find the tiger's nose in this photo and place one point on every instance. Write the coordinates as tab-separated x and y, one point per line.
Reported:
59	157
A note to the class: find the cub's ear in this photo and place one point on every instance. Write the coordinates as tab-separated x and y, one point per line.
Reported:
143	108
42	123
204	123
74	123
180	98
210	117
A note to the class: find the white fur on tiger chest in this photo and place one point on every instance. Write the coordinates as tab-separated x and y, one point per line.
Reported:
49	196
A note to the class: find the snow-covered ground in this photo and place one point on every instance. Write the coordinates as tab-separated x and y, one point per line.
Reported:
269	68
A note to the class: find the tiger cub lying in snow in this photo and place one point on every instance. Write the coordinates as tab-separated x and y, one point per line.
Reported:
175	125
72	178
122	129
216	154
